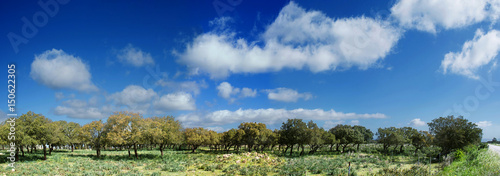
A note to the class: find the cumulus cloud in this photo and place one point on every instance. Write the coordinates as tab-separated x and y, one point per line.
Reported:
228	92
175	101
136	98
297	39
247	92
75	108
430	15
482	124
58	70
131	98
478	52
268	116
131	55
417	122
287	95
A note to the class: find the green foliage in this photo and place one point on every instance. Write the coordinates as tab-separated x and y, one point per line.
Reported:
478	162
413	171
196	137
454	133
459	155
389	136
131	130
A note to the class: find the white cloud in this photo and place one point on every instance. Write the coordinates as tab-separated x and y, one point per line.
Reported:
175	101
183	86
134	56
131	98
330	124
297	39
227	91
287	95
268	116
58	70
218	129
136	98
482	124
59	95
417	122
478	52
75	108
354	122
430	15
247	92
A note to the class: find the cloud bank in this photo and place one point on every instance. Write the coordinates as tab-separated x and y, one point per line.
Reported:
297	39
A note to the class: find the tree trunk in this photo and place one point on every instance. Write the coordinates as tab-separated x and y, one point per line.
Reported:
161	149
50	149
401	149
128	151
44	152
135	151
343	148
22	150
194	149
357	149
72	147
338	147
291	151
17	153
302	152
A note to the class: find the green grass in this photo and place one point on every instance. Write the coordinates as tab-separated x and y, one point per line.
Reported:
83	162
479	162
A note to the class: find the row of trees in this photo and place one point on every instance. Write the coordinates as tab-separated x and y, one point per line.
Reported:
494	141
126	130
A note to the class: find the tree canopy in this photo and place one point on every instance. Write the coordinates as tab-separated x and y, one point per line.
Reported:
454	132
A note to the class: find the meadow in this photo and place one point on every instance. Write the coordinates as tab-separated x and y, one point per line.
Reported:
369	161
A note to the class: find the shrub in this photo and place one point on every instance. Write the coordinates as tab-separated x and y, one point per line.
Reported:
459	155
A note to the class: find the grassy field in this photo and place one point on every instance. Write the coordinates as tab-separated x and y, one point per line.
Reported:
204	162
474	162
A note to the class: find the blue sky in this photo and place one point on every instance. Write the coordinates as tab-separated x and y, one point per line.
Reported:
218	63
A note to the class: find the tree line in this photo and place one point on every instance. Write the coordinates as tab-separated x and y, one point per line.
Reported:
130	131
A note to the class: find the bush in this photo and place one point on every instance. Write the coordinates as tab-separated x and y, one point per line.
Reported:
483	145
459	155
